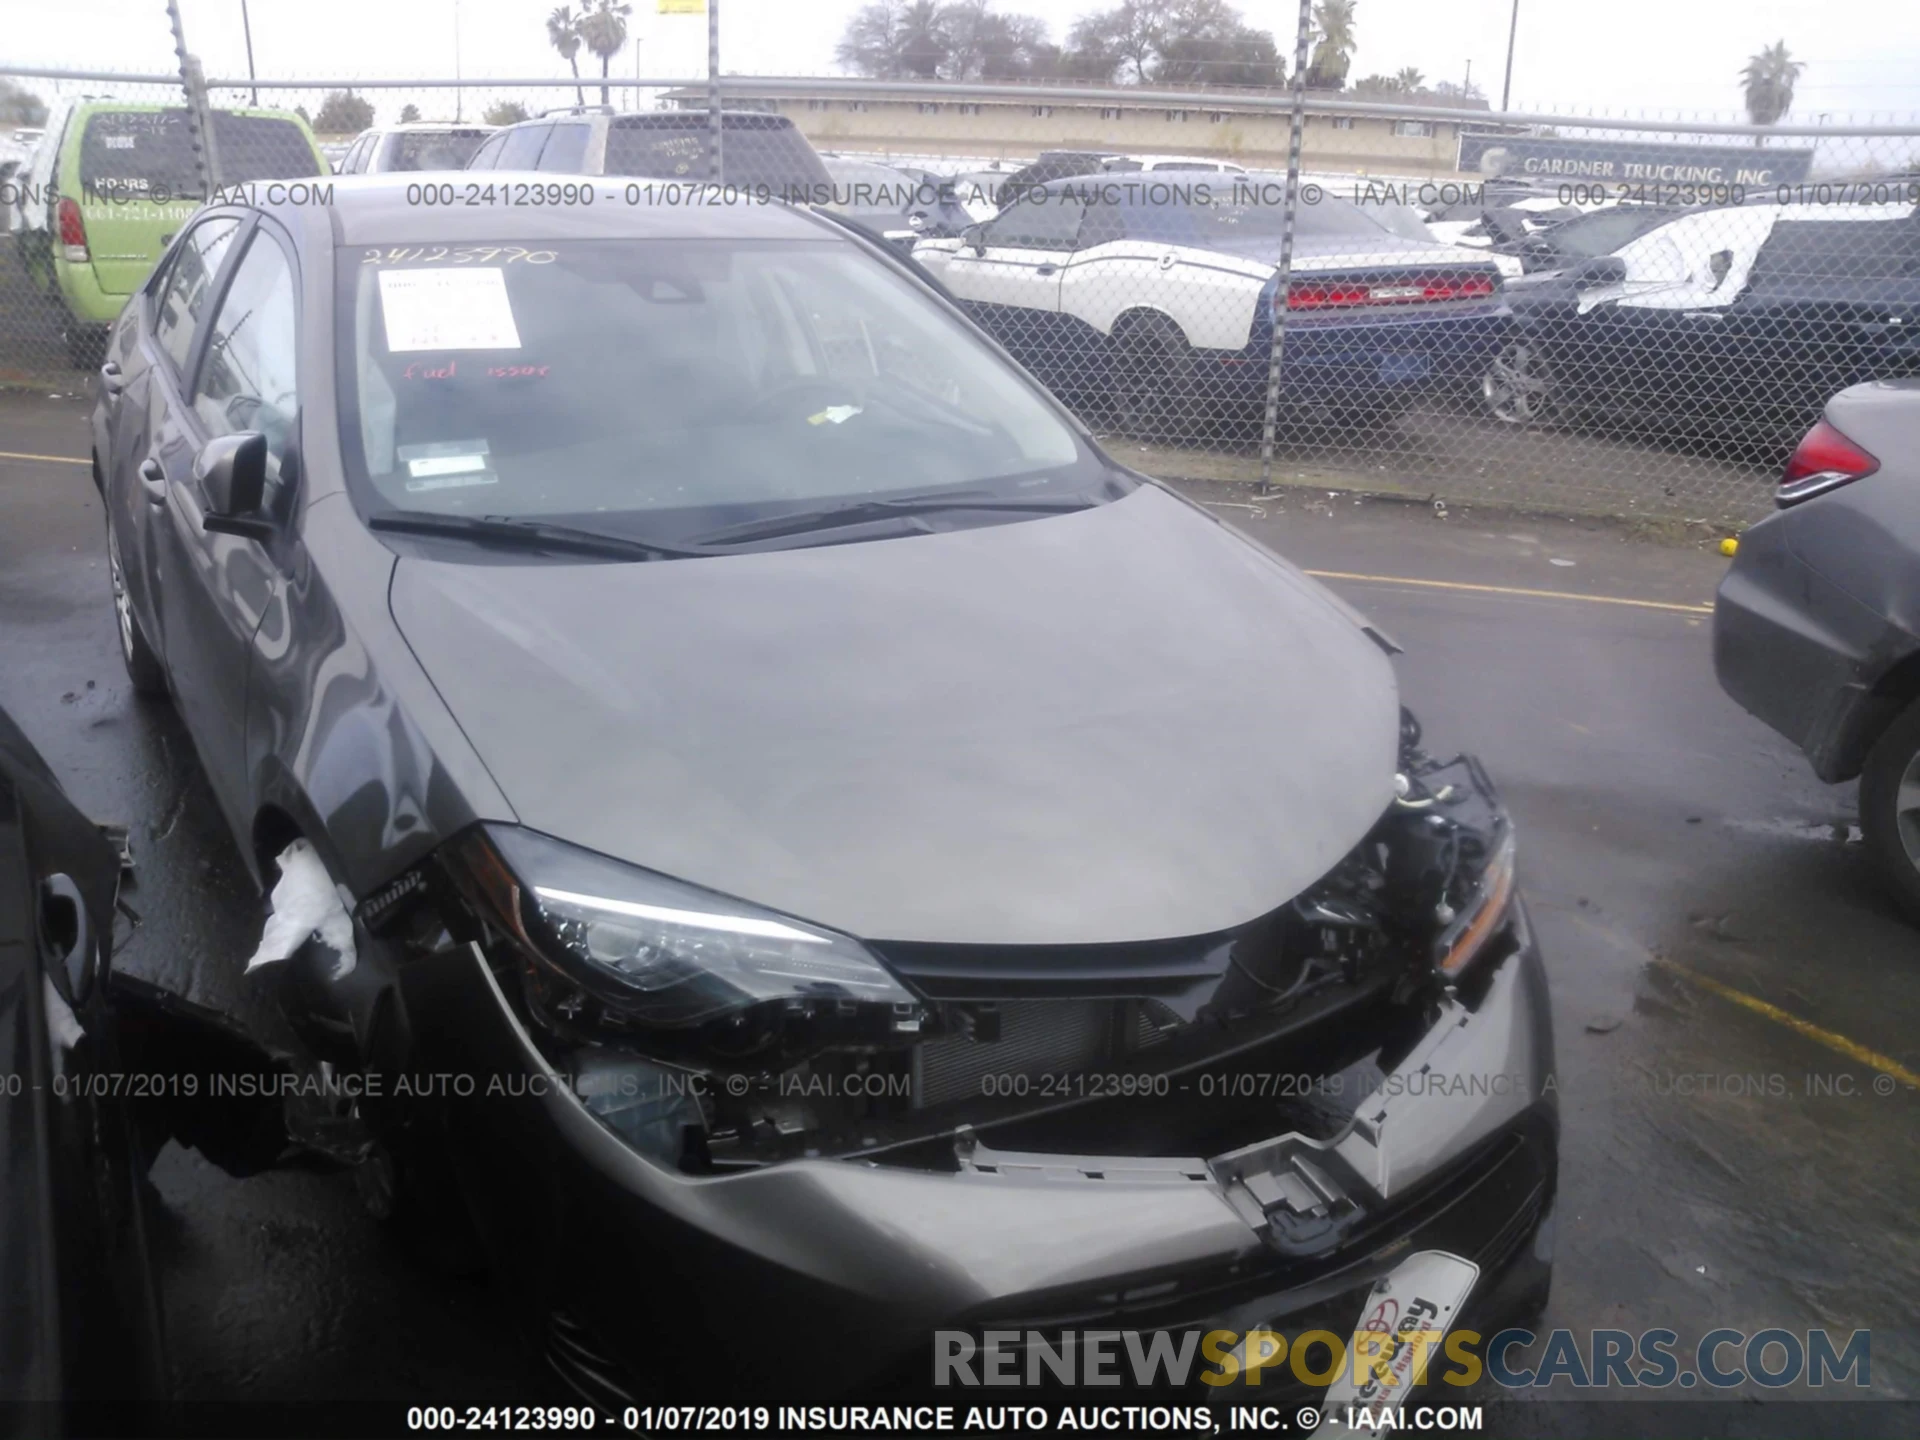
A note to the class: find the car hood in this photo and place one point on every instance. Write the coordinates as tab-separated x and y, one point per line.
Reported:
1118	724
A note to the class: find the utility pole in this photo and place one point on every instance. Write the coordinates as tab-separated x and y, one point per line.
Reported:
1269	428
1513	27
247	25
193	80
459	91
714	140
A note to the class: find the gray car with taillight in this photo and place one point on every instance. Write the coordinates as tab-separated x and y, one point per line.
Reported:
824	839
1817	624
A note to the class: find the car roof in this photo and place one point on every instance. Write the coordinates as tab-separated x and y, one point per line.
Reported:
435	127
375	210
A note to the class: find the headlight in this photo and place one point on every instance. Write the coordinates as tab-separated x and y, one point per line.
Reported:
660	953
1479	919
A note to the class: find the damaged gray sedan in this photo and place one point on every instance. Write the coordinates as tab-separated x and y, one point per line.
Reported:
824	843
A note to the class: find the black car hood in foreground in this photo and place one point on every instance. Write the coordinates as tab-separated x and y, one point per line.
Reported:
1119	724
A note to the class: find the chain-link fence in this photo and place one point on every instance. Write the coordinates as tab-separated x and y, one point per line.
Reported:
1623	317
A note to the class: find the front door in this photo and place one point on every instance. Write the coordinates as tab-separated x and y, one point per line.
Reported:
217	587
1012	285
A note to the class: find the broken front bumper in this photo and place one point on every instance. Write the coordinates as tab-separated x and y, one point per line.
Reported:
832	1275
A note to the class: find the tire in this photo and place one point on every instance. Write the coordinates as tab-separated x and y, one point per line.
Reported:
1152	381
144	669
1518	388
1890	807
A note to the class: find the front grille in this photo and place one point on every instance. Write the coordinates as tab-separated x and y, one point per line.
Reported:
1036	1039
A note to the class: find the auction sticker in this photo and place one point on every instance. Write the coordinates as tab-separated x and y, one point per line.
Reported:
447	309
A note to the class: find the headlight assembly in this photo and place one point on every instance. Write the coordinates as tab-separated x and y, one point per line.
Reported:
1480	918
664	955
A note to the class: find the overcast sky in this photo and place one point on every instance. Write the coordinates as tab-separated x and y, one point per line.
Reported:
1623	56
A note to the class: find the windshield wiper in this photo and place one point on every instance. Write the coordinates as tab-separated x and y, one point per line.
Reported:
523	535
836	517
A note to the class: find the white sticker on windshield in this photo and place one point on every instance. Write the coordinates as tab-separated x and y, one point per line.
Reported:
834	415
446	309
447	464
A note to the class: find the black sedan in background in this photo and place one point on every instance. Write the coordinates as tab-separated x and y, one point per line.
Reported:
1817	625
1734	323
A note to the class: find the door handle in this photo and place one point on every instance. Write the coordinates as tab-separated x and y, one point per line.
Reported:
153	480
111	379
1046	270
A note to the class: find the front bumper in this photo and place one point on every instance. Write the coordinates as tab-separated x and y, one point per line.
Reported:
831	1276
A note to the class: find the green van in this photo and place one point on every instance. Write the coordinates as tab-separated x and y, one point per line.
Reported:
113	181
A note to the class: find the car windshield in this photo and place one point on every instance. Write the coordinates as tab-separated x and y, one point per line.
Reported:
662	388
142	152
434	149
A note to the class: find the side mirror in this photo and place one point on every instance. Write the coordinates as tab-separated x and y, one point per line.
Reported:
1601	270
232	471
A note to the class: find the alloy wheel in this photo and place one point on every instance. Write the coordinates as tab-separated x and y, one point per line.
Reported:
1906	810
1516	386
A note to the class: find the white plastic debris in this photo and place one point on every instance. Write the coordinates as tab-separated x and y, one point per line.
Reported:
62	1025
306	905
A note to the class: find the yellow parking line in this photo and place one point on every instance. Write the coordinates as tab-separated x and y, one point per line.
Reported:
1513	590
50	459
1852	1049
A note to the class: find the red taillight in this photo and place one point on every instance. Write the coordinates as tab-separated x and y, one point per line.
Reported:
1405	290
1326	297
73	229
1824	458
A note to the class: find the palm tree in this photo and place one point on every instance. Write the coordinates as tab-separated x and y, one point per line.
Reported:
1409	80
923	39
1333	52
1769	79
603	29
563	32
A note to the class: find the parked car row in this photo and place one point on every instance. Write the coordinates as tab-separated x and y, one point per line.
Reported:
1736	322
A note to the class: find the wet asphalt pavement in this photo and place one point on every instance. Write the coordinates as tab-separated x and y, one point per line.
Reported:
1665	836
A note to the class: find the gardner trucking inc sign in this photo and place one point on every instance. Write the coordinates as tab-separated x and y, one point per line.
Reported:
1630	162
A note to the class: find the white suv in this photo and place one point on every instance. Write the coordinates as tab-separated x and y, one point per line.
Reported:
421	146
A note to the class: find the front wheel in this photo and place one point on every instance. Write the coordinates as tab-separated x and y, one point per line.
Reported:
1890	807
149	677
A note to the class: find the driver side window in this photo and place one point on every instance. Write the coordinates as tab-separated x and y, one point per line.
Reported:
1042	221
247	378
